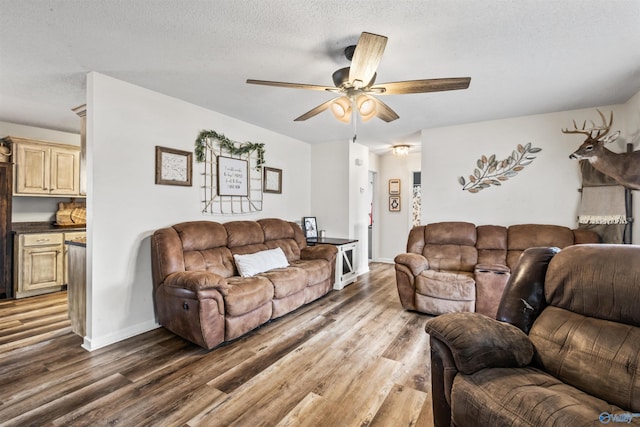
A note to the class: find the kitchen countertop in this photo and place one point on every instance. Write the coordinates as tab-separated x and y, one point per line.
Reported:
79	241
43	227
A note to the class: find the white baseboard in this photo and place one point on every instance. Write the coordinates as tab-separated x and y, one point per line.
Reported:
95	343
385	260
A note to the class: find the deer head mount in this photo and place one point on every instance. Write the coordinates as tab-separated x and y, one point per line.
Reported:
623	167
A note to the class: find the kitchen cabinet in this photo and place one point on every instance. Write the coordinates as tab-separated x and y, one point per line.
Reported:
45	168
6	247
67	237
41	258
76	291
39	263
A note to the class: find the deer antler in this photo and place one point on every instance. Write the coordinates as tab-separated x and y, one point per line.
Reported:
600	130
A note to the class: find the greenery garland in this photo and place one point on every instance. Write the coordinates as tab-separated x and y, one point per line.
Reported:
236	149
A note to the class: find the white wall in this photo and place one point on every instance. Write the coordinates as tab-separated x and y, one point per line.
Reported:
124	206
359	202
330	187
545	192
37	209
394	227
339	206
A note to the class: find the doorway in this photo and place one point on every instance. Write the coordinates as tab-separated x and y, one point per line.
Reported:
371	192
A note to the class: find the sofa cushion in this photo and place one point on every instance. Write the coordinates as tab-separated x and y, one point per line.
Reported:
579	275
245	294
522	397
317	270
525	236
288	246
458	286
251	264
456	233
243	233
275	229
215	260
200	235
598	356
286	281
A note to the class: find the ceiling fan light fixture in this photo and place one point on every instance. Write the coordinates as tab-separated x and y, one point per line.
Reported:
400	150
341	109
366	107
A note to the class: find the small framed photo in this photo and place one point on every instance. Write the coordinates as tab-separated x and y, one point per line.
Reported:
394	203
233	177
394	187
272	180
310	227
173	167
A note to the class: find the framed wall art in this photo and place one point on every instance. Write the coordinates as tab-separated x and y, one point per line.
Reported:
394	203
272	180
173	167
233	177
394	187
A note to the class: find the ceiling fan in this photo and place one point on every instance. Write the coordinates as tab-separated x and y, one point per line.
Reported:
356	84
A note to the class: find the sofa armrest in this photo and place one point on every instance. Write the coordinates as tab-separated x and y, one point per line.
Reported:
443	372
414	262
196	281
478	342
326	252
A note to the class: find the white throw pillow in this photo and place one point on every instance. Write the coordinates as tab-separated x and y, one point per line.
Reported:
252	264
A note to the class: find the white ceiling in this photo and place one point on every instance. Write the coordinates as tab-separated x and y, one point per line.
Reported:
524	57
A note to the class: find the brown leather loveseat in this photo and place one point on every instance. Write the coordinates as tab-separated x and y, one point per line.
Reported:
458	266
563	352
201	295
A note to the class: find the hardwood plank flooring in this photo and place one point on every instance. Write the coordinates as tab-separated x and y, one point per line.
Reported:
352	358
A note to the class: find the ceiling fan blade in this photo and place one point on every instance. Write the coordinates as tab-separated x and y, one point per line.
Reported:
366	58
421	86
384	112
289	85
315	111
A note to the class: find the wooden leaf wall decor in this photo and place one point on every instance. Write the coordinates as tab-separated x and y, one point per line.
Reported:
490	171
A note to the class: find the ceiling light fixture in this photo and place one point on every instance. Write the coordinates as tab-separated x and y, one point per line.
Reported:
400	150
344	106
341	109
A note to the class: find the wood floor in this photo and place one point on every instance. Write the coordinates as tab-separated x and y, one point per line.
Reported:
352	358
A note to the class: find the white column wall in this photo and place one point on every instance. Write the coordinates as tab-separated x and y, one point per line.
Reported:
125	206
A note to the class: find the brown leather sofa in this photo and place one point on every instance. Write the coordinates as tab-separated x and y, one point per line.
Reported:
563	352
199	294
458	266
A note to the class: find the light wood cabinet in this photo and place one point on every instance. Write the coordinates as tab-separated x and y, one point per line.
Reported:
76	291
39	266
44	168
73	235
41	262
6	246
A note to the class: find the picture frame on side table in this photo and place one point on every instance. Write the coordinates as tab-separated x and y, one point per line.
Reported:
310	227
272	180
394	187
394	203
173	167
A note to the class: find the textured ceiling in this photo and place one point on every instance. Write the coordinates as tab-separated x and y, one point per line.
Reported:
524	57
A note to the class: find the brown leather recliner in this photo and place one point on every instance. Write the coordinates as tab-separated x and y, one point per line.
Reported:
458	266
563	352
199	293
